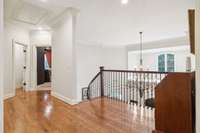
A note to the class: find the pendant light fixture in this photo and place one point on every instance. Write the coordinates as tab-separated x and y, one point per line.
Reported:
141	50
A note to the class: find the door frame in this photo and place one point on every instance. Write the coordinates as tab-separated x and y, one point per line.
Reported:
34	64
13	64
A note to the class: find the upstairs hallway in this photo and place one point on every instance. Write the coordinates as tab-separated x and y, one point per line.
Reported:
39	112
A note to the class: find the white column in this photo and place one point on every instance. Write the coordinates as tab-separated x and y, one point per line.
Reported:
63	58
197	53
1	66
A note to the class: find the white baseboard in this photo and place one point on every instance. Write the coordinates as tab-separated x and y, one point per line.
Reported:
30	89
7	96
64	99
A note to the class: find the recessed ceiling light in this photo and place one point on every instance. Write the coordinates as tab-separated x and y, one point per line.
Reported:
43	0
40	28
124	2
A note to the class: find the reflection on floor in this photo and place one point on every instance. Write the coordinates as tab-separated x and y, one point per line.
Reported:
39	112
45	86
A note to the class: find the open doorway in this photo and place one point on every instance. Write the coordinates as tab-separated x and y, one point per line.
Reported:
19	66
44	68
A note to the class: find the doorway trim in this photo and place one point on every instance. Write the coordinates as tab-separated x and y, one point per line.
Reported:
13	65
34	64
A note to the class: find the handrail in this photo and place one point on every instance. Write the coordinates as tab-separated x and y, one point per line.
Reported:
126	85
93	79
135	71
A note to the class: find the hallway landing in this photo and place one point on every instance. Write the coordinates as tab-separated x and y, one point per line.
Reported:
39	112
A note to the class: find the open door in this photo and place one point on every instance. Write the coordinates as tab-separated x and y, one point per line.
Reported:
43	65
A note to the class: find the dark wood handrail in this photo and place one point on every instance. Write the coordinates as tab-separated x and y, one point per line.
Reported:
108	77
132	71
93	79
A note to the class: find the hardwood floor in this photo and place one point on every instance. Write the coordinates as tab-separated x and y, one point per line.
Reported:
39	112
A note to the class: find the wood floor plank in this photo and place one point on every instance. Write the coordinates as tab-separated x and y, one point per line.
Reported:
39	112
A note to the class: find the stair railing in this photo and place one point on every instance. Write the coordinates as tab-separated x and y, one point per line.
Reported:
135	87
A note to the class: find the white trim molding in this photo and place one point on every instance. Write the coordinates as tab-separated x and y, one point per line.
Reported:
64	99
171	42
2	49
197	55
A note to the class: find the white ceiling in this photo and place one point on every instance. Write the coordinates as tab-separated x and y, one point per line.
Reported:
107	22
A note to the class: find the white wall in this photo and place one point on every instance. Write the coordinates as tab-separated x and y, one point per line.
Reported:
19	64
1	65
90	58
197	52
20	35
40	37
63	59
150	58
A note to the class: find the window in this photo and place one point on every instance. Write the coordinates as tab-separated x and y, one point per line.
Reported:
170	62
166	63
161	63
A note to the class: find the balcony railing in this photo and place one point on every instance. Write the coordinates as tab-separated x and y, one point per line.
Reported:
134	87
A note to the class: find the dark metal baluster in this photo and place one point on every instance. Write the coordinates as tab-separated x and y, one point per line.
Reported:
108	83
127	85
144	89
119	80
118	88
148	87
98	83
140	89
105	83
153	84
97	87
133	88
94	88
121	86
130	86
91	92
115	85
137	88
124	86
112	84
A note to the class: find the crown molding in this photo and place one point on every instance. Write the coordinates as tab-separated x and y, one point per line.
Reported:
172	42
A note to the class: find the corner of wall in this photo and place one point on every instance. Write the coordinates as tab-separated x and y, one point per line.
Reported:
65	99
197	54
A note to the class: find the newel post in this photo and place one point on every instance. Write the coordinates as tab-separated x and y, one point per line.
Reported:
101	80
